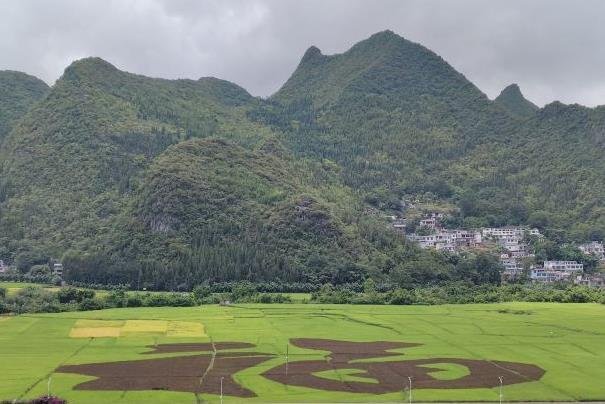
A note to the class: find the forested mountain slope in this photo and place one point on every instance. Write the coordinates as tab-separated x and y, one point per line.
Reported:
168	183
401	121
90	175
18	91
391	112
514	102
74	160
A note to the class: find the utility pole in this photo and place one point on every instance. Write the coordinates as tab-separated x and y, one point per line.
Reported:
500	378
287	348
410	380
48	386
222	389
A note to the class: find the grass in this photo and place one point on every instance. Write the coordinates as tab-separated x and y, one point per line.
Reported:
566	340
14	287
346	375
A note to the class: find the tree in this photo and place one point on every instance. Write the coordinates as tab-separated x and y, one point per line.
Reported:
200	292
243	291
28	258
480	268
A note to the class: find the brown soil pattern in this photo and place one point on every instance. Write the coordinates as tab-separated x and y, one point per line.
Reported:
176	374
392	376
184	373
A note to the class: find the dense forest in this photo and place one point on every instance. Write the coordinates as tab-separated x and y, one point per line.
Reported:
18	92
167	184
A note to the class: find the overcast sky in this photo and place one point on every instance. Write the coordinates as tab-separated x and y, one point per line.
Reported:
555	50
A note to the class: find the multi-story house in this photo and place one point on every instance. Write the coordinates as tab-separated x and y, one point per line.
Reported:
556	271
539	274
564	266
596	281
513	268
399	224
510	231
58	269
429	223
593	248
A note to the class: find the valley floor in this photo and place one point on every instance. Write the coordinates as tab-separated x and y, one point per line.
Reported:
278	353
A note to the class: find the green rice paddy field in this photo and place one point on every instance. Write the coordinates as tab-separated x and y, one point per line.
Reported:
565	342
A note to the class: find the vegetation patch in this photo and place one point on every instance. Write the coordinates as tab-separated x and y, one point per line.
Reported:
345	375
431	344
448	371
145	327
101	328
85	323
94	332
185	329
518	312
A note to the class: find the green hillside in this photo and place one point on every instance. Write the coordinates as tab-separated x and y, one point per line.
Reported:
402	122
18	91
73	163
169	183
90	175
208	210
99	127
393	113
513	101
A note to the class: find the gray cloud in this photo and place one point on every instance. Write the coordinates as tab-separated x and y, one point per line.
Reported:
553	49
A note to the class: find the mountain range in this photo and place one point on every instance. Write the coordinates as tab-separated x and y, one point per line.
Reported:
170	183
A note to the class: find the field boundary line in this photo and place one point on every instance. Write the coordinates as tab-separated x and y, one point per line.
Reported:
46	376
210	365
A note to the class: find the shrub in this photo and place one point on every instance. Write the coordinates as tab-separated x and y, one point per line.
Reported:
90	304
73	295
117	298
243	291
200	292
134	300
402	297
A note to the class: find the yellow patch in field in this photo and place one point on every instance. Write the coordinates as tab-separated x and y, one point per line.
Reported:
185	329
145	327
94	332
85	323
117	328
4	319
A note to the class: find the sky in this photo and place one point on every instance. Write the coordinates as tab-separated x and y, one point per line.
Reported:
554	50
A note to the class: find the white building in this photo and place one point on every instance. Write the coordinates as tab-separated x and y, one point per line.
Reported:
564	266
399	224
511	239
58	269
594	281
593	248
542	275
512	267
448	240
429	223
509	231
556	271
467	238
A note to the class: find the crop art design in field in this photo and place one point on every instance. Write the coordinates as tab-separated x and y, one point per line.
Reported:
387	376
354	367
192	373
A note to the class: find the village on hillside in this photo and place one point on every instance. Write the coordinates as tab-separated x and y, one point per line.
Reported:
511	243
